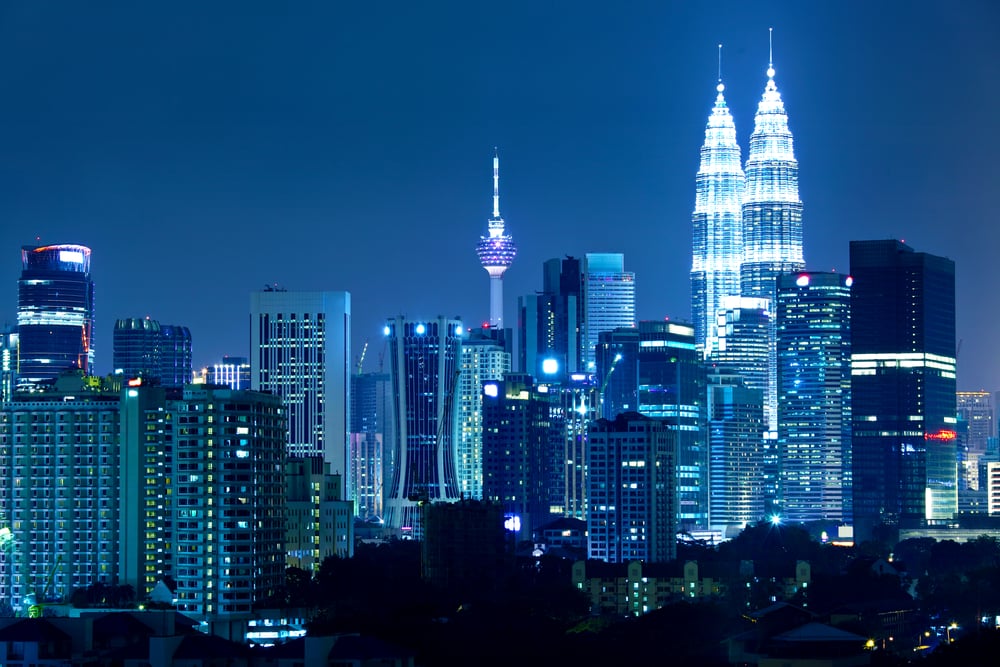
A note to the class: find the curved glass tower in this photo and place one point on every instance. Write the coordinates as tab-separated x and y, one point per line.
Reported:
772	210
55	312
717	237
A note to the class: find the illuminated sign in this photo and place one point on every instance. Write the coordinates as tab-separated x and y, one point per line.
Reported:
550	366
512	522
943	435
802	281
71	256
135	382
491	390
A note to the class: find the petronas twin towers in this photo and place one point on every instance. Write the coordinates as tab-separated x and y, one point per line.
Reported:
747	224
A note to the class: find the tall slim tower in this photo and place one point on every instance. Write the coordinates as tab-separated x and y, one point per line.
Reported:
717	234
772	210
424	364
496	251
904	421
299	351
55	312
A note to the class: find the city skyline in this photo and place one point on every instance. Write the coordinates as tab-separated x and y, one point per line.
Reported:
330	150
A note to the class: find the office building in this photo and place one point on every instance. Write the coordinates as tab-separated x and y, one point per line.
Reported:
496	252
59	497
318	523
232	372
523	440
424	358
631	490
8	364
744	332
608	300
813	321
550	323
772	210
717	234
55	312
300	351
578	403
372	454
976	410
484	358
903	388
157	352
737	466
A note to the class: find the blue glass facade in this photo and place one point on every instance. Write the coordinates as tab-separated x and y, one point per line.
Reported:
55	312
424	365
813	317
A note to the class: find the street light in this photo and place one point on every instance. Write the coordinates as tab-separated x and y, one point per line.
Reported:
953	626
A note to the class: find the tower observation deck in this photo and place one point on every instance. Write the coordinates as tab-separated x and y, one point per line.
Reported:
496	251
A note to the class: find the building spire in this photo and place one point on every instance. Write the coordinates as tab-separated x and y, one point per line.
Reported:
496	183
770	53
720	64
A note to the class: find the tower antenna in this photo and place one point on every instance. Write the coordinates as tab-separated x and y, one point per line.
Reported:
720	63
496	183
770	47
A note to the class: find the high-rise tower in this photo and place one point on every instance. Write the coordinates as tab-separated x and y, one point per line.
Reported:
904	461
716	250
772	210
496	251
55	312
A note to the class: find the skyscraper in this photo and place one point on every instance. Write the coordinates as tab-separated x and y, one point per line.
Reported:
813	318
737	470
975	408
717	245
483	358
630	489
903	387
232	372
160	352
372	454
608	300
772	210
550	323
55	312
300	351
424	364
496	251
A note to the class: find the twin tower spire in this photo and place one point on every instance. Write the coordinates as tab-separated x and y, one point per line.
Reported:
747	224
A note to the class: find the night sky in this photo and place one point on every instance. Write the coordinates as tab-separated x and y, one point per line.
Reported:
203	150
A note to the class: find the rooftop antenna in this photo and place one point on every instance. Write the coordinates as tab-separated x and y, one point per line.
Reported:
770	47
496	183
720	63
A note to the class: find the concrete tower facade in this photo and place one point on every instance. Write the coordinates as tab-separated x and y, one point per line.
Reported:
496	251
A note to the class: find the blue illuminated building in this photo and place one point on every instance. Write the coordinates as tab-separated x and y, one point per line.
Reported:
160	352
423	359
772	210
55	312
496	252
813	321
903	388
717	246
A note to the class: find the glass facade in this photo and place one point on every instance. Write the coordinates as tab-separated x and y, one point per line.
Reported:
903	387
608	299
813	316
772	210
717	235
424	361
143	347
55	312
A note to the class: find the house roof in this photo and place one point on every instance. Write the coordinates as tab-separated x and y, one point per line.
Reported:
33	630
818	632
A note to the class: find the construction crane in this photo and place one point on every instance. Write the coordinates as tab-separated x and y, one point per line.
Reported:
36	601
361	359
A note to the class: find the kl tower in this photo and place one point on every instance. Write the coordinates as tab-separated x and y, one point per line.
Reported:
496	251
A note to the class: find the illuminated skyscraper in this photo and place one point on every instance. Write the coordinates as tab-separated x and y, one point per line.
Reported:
299	351
608	300
424	364
233	372
55	312
496	251
550	323
902	387
813	318
976	409
717	246
772	210
483	358
372	453
161	352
